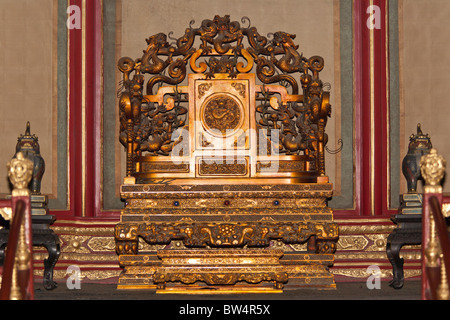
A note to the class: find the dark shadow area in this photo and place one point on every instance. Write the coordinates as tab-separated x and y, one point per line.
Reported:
344	291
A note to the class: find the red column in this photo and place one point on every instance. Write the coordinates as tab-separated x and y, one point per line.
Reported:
371	82
85	105
75	101
93	90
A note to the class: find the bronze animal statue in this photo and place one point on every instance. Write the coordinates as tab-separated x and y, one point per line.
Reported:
419	145
28	145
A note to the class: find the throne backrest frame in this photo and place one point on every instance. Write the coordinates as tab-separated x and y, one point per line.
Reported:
154	116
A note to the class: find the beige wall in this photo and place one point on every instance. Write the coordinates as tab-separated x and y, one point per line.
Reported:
425	72
27	81
28	40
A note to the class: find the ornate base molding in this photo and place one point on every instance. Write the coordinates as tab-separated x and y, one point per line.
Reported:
90	245
238	231
260	268
321	235
362	244
220	267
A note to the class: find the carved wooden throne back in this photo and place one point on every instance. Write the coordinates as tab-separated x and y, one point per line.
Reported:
253	107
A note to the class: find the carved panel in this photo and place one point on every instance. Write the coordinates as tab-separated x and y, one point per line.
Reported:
221	115
222	167
164	166
230	234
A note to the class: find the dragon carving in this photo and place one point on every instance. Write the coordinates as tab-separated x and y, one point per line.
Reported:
147	127
292	60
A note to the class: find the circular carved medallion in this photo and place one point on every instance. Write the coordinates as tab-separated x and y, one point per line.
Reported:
222	115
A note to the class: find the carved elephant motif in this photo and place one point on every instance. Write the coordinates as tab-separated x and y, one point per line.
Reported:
419	145
28	145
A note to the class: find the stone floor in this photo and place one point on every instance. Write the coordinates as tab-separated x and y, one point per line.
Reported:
344	291
107	302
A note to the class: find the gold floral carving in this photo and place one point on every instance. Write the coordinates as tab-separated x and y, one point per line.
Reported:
81	257
202	88
237	167
266	202
86	274
307	214
281	166
365	229
360	255
350	252
307	203
225	234
164	166
75	243
362	272
240	88
358	242
161	190
98	244
378	242
142	203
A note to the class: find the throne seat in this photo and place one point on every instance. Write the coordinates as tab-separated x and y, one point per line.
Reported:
229	217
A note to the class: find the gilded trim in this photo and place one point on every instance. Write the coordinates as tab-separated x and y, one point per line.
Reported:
69	106
362	273
102	104
88	222
54	154
364	221
388	115
83	108
90	245
372	120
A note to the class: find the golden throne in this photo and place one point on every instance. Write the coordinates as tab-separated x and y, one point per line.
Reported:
225	177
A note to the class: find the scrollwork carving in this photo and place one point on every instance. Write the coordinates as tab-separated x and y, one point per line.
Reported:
227	234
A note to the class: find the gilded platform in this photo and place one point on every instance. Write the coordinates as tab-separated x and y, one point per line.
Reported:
211	217
220	267
168	200
304	270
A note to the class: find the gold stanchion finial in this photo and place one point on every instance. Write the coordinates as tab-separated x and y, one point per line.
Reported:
432	167
20	170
